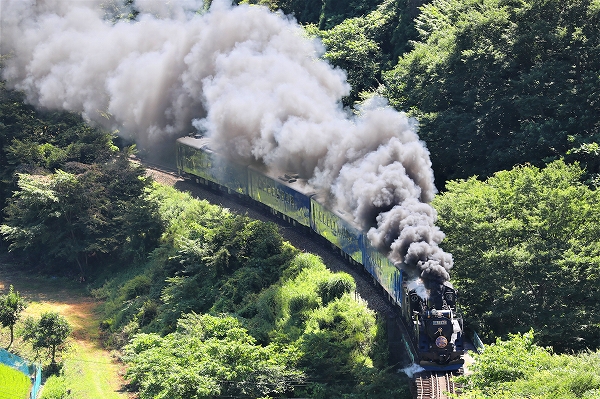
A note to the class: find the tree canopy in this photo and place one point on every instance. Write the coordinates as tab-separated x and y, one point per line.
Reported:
31	139
241	273
206	357
71	219
517	368
496	83
358	46
49	332
527	253
11	306
325	13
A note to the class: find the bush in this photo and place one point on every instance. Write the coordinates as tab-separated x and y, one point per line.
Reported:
335	286
55	387
518	368
137	286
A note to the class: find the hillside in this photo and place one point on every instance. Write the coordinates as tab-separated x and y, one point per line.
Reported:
379	104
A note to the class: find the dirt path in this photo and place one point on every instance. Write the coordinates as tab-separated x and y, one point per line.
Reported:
90	371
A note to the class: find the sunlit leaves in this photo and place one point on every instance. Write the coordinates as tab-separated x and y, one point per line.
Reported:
70	218
525	244
49	332
518	368
498	83
206	357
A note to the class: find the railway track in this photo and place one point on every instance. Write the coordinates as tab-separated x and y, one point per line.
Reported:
367	290
425	385
430	385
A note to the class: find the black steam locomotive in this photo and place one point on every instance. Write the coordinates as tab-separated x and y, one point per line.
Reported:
436	329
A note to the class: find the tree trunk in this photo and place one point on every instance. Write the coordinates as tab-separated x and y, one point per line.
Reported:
12	336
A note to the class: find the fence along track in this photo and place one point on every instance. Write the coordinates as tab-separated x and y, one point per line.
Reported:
431	385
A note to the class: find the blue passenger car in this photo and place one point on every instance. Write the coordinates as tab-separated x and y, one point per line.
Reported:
336	229
196	158
283	193
384	271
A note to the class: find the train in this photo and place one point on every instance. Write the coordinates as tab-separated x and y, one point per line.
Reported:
434	323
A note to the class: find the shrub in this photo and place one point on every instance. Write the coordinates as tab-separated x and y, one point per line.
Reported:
55	387
518	368
335	286
137	286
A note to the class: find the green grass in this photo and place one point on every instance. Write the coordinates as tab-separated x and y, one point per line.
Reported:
89	371
13	383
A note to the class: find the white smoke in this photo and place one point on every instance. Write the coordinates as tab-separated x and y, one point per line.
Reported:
411	370
253	80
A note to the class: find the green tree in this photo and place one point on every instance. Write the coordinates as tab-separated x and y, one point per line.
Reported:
81	216
326	13
360	46
31	139
497	83
518	368
207	357
11	306
526	249
49	332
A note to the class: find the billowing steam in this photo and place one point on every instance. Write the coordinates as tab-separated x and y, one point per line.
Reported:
253	81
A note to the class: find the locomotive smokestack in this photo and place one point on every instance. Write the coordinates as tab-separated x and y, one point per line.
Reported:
249	77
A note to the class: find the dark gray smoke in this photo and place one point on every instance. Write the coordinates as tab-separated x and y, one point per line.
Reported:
253	81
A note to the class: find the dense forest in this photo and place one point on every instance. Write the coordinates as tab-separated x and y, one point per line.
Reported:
506	94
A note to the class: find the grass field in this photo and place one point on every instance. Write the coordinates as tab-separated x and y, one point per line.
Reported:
13	383
89	370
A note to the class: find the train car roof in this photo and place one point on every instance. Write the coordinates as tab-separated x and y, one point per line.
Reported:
288	179
196	142
346	216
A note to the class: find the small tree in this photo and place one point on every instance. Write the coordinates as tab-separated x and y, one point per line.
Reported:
50	332
11	306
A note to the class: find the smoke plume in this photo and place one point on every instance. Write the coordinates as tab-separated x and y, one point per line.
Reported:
253	81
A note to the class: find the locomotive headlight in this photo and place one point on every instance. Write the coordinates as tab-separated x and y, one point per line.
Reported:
441	342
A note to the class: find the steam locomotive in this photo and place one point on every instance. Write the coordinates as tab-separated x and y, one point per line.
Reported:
435	327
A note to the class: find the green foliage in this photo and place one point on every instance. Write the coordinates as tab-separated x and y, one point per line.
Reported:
209	260
79	218
206	357
336	336
55	387
11	306
335	287
139	285
13	383
327	13
31	139
358	46
525	245
212	261
499	83
236	258
518	368
49	332
184	218
337	339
